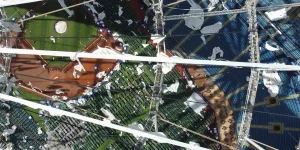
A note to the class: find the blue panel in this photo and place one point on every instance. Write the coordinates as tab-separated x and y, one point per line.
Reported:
233	39
286	141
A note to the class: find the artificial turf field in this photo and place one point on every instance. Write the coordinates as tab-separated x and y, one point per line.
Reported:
81	29
38	33
31	111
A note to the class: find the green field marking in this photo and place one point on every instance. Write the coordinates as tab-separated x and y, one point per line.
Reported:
32	112
108	142
18	12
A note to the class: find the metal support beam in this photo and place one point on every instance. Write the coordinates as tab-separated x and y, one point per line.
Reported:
4	3
226	12
260	66
254	77
151	120
5	41
58	112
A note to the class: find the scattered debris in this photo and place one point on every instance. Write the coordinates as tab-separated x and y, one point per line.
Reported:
277	14
62	4
52	39
196	102
172	88
118	21
272	81
129	22
8	132
216	50
212	4
120	11
194	23
271	48
139	70
101	74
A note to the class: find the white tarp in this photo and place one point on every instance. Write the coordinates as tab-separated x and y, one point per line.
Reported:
194	23
190	84
77	68
272	81
271	48
39	131
277	14
196	102
139	68
108	114
172	88
156	38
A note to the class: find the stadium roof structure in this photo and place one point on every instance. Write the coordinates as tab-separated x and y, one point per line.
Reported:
240	59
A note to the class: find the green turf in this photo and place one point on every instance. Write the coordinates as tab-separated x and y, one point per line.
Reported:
32	112
18	12
80	32
108	142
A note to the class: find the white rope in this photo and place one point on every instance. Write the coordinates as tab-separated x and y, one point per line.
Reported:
260	66
15	2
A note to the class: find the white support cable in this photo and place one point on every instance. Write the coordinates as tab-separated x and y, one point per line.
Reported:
4	3
254	144
99	122
260	66
268	146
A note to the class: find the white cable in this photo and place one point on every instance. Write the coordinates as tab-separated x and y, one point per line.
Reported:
261	66
4	3
59	112
254	144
